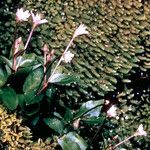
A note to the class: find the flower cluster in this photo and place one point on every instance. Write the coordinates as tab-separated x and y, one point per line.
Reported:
67	55
113	113
24	15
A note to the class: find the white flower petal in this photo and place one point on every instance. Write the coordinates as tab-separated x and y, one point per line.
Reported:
112	111
140	131
37	19
22	15
67	57
43	21
80	30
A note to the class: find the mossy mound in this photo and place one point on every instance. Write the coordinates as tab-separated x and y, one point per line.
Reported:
13	135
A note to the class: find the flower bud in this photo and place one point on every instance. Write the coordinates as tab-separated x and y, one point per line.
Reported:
45	48
17	44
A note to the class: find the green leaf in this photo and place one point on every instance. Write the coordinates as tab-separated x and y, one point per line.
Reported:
68	115
94	120
35	120
29	99
26	60
9	98
21	100
72	141
90	108
31	110
24	71
59	78
32	98
57	115
55	124
67	144
3	76
7	61
50	92
33	80
79	140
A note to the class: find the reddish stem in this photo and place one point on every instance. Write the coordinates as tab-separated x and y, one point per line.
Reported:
45	77
29	37
14	64
43	88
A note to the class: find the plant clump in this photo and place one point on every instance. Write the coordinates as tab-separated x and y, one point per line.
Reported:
116	47
13	134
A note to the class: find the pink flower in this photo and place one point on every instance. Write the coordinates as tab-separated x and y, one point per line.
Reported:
67	57
80	30
37	19
22	15
140	131
112	111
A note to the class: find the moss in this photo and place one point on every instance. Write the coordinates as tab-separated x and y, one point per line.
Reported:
114	47
13	135
118	41
118	44
134	110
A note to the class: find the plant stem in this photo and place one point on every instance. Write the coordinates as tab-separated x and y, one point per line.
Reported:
46	84
114	147
45	77
29	37
14	64
97	132
28	40
61	58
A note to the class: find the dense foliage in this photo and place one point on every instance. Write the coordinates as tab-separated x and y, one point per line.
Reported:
118	47
14	135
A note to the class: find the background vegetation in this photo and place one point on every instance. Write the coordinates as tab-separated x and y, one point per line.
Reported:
112	63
